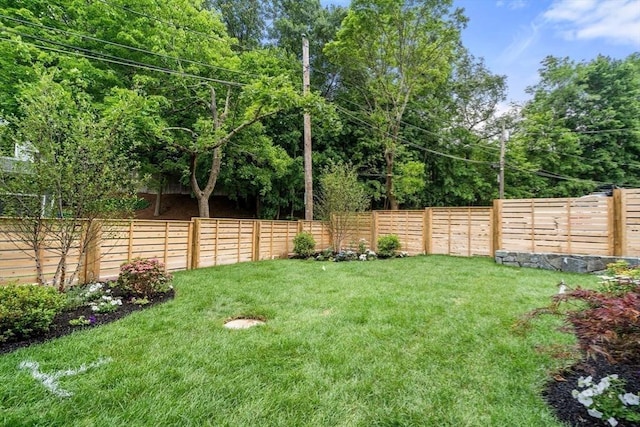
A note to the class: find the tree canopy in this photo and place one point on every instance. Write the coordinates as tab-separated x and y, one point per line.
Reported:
209	93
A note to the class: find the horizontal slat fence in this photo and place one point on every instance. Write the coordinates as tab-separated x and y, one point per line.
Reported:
460	231
407	225
628	202
566	226
586	225
320	232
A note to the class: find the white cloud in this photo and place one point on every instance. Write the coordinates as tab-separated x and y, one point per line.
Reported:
512	4
617	21
527	37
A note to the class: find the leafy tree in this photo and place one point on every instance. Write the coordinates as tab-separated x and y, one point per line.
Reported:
578	131
80	167
244	19
341	196
395	51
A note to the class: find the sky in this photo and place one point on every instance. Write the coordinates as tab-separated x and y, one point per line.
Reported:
514	36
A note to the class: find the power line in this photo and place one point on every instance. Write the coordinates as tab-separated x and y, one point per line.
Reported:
121	61
438	153
540	172
73	33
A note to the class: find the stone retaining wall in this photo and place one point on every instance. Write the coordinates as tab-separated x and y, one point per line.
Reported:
559	262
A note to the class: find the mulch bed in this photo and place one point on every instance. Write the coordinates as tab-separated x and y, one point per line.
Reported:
569	410
61	327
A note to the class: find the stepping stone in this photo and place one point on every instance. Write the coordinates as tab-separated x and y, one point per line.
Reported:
243	323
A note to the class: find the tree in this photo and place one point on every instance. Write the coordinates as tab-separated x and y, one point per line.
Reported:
80	167
341	197
394	51
578	131
244	19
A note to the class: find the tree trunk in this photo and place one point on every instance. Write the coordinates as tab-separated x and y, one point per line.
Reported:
203	205
391	197
158	207
203	195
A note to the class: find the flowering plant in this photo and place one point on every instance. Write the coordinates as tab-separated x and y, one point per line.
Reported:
144	277
106	304
608	399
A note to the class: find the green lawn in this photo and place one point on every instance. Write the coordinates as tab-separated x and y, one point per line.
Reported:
423	341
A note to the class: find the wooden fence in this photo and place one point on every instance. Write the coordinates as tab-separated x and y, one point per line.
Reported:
587	225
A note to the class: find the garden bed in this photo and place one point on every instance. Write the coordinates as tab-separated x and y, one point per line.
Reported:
61	326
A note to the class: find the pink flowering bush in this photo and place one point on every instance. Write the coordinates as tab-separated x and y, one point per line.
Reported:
144	277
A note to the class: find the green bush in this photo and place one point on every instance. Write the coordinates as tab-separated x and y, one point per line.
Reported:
304	245
388	246
144	277
27	310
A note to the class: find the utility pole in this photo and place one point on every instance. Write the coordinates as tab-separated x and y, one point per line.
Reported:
503	142
308	178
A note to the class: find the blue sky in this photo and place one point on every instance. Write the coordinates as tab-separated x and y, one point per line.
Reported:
514	36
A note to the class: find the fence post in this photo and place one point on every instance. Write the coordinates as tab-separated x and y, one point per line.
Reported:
497	225
189	261
426	230
374	230
256	240
195	257
618	221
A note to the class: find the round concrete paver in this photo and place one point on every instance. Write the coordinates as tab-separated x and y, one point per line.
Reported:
243	323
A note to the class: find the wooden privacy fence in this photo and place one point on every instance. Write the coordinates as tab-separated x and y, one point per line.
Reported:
587	225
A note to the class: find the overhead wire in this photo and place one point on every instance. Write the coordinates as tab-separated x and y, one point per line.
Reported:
123	61
133	48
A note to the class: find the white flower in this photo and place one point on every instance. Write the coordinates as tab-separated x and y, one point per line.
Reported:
613	422
584	382
585	400
594	413
602	386
363	257
95	307
629	399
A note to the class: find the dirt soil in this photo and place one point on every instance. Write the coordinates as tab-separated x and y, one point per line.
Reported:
184	207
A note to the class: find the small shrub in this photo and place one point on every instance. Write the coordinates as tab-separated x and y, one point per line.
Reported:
144	277
622	268
27	310
304	245
325	255
363	246
609	325
388	246
82	321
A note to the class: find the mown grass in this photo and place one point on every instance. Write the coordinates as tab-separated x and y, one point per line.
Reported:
423	341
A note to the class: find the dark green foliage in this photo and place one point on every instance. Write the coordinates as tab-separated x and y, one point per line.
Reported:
144	277
304	244
388	246
27	310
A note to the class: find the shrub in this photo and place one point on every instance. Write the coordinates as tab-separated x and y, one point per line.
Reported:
27	310
304	245
388	246
144	277
609	325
